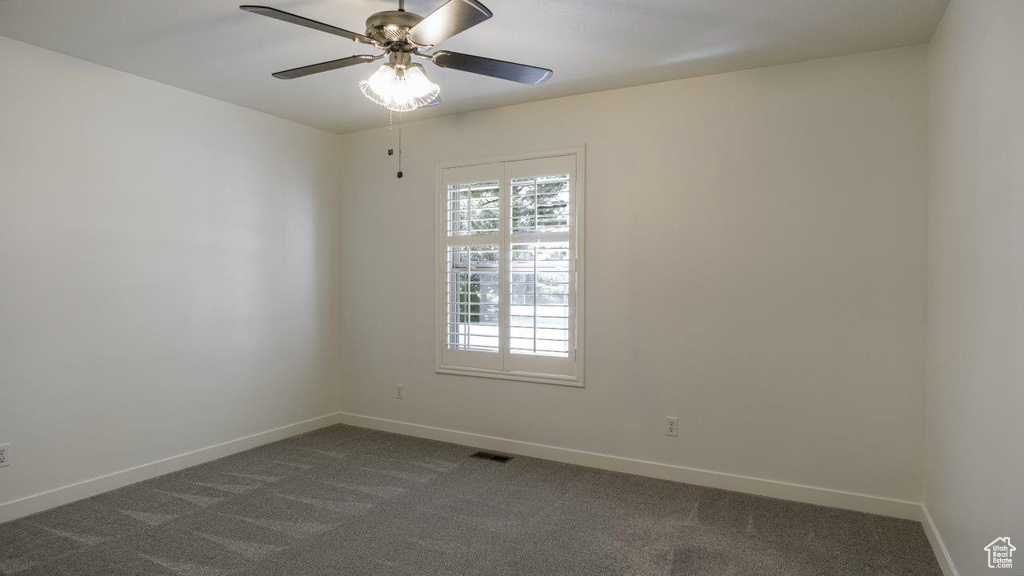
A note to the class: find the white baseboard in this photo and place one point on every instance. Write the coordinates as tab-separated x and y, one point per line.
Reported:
938	546
734	482
93	486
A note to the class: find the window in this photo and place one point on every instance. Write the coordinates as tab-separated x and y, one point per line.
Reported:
510	277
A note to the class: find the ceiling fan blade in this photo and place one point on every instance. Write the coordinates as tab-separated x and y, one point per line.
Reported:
451	18
489	67
293	19
323	67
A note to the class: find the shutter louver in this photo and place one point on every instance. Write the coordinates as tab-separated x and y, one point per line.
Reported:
473	289
540	294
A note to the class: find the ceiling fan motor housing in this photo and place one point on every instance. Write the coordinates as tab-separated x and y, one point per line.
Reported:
392	27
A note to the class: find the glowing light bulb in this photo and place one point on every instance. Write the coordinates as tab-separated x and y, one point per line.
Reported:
400	87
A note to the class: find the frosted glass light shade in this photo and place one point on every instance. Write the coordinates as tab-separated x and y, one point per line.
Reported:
400	88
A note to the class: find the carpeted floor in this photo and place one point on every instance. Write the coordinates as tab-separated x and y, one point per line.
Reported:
349	501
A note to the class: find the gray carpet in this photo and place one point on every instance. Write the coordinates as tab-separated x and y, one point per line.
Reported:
349	501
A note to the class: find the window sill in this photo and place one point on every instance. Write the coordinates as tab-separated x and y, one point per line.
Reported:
571	381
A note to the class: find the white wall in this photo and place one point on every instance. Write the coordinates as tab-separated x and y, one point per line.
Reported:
975	409
177	272
756	266
163	271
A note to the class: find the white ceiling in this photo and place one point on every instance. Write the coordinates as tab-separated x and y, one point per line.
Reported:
213	48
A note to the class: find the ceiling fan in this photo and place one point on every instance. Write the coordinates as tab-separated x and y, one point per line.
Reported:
400	84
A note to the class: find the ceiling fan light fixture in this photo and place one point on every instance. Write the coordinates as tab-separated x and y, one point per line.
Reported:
400	87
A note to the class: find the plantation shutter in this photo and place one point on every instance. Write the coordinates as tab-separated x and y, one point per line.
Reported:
508	268
472	266
541	280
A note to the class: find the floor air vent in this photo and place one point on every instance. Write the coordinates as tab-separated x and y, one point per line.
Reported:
491	456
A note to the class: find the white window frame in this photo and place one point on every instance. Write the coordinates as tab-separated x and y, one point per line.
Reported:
577	220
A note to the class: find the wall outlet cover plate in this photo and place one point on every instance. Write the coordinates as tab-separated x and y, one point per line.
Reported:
672	426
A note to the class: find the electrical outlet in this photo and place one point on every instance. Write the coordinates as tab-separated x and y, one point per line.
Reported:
671	426
399	391
5	455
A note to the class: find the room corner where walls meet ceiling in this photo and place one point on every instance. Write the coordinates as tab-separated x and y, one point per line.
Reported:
214	49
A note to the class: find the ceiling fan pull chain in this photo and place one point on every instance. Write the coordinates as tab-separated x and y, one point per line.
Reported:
399	144
391	147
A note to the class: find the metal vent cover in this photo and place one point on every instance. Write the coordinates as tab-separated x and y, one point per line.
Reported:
482	455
